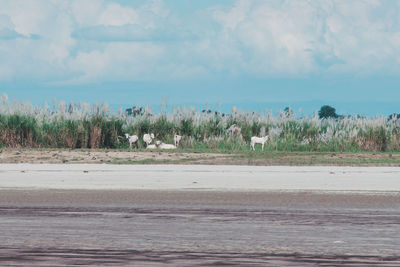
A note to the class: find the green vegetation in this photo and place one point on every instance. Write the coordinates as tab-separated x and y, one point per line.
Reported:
88	127
327	112
394	116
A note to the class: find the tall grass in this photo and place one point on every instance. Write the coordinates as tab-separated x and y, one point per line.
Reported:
84	126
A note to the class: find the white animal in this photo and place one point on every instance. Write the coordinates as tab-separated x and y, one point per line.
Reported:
148	138
132	139
177	140
258	140
151	147
234	130
161	145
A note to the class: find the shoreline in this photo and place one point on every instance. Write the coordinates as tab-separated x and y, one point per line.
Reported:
200	178
201	157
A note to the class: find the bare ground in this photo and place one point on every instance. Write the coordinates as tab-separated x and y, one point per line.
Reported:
100	156
182	157
175	228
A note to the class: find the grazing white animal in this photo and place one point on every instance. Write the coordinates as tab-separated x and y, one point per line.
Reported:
258	140
234	130
177	139
132	139
161	145
148	138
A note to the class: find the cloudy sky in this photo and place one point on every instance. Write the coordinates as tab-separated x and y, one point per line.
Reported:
252	54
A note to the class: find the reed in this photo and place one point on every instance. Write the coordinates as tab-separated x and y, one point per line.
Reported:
95	126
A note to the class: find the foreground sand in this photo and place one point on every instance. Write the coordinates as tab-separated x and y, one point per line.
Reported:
198	215
198	177
42	227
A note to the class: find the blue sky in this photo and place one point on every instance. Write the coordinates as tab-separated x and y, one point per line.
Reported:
219	53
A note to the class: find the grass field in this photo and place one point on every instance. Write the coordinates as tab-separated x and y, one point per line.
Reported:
83	126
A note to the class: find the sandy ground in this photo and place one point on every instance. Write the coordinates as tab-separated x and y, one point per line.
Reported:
199	177
180	157
41	227
97	156
198	215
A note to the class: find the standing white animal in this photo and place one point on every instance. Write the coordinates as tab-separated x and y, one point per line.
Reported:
177	139
161	145
148	138
258	140
132	139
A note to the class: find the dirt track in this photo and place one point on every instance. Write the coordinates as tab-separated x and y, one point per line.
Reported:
93	227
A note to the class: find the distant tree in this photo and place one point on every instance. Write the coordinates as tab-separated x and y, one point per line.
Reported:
209	111
135	111
288	112
394	116
327	112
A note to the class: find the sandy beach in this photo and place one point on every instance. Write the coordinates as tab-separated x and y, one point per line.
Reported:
199	177
169	215
42	227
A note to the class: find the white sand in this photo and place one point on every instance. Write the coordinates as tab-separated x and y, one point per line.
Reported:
201	177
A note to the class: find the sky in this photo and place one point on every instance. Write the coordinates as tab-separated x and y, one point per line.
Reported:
252	54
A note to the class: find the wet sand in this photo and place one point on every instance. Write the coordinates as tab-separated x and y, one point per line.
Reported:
64	215
152	227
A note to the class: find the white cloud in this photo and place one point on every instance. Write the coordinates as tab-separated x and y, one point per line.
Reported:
116	15
237	14
86	12
96	40
288	37
118	61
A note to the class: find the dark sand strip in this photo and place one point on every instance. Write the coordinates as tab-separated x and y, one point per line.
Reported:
200	228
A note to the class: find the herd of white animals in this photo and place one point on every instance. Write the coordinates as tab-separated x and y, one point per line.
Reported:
148	138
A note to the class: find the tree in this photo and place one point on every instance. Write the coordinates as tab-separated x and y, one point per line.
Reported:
135	111
327	112
288	112
394	116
